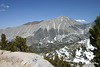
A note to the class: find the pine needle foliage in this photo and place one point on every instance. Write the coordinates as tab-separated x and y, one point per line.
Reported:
19	44
95	41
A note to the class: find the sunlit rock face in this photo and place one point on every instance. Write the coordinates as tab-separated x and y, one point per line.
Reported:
51	33
21	59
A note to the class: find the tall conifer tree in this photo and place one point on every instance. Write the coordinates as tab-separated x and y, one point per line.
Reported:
4	44
95	41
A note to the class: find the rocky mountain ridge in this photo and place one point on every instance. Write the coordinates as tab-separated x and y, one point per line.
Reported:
50	34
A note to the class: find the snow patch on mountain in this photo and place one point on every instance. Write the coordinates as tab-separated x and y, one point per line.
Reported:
87	43
79	52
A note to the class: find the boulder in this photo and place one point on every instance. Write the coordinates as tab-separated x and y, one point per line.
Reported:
22	59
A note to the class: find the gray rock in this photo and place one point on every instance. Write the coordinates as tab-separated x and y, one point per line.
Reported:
22	59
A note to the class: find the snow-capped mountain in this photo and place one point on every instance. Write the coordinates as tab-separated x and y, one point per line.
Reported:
50	34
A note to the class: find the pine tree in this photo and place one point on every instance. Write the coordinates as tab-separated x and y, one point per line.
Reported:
95	41
13	47
20	43
3	43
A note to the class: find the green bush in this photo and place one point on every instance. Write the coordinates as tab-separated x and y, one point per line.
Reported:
19	44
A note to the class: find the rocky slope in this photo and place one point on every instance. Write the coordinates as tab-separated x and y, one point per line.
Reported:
21	59
76	52
49	34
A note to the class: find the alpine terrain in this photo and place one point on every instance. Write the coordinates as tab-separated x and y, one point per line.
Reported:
60	36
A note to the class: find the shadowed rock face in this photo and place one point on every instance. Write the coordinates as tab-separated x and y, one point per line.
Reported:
53	31
21	59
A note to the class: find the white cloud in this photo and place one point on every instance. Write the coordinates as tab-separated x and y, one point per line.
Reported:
2	10
81	20
5	6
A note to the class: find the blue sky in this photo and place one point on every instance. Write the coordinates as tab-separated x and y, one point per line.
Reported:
18	12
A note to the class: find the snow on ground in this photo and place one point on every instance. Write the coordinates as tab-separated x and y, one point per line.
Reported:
62	50
89	55
80	58
87	52
84	56
89	46
87	42
78	52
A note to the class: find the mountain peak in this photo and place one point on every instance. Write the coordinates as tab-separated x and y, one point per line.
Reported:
62	16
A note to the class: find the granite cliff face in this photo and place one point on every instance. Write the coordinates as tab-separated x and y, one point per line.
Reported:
22	59
49	34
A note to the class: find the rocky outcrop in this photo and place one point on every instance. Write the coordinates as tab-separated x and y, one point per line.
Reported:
22	59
